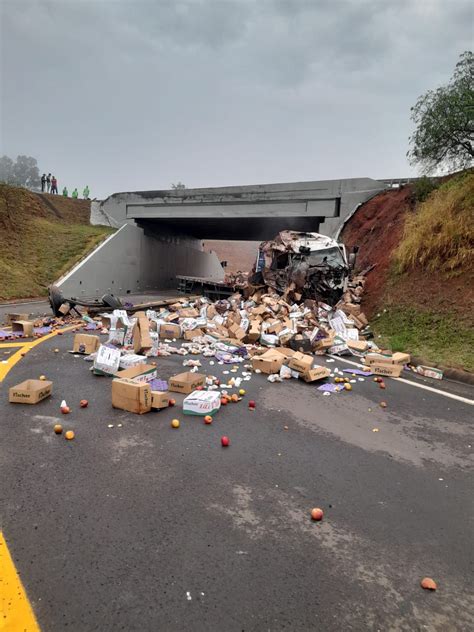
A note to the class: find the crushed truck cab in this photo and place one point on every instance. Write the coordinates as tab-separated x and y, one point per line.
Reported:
307	264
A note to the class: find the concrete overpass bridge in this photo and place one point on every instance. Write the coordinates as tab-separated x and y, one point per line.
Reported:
160	232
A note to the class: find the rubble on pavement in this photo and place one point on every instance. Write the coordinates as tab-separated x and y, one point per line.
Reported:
253	332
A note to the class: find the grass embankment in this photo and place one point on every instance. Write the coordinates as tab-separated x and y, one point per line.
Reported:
37	245
436	338
429	301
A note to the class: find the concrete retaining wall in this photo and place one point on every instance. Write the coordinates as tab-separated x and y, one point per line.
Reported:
132	261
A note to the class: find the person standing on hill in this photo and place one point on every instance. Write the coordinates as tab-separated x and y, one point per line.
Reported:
65	192
54	185
85	193
75	194
48	182
43	182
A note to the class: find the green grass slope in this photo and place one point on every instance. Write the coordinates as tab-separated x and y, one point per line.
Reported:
428	303
41	237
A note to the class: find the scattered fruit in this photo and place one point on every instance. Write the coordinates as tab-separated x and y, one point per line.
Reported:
58	429
69	435
348	387
56	351
317	514
42	377
382	385
235	398
242	391
175	423
172	402
428	584
83	403
225	441
208	419
383	404
65	410
251	404
224	401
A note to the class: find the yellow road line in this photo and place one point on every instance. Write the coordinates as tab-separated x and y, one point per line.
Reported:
6	367
4	345
16	613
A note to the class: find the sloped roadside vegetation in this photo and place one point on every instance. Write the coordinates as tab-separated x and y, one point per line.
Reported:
41	237
420	293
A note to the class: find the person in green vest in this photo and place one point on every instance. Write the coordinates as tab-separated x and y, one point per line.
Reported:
75	194
85	193
64	192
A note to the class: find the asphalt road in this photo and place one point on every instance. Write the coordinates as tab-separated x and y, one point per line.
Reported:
146	528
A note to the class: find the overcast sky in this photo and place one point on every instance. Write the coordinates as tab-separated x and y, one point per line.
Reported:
125	95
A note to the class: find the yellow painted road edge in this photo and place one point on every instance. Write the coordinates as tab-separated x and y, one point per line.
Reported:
7	366
16	613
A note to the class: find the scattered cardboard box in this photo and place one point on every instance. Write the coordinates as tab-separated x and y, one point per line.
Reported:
25	327
132	396
202	403
429	371
358	345
160	399
131	359
170	330
387	370
30	392
11	317
193	333
142	341
318	373
395	358
300	362
269	362
107	361
186	382
237	332
139	373
85	344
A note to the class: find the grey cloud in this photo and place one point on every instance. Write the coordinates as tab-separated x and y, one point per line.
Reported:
139	94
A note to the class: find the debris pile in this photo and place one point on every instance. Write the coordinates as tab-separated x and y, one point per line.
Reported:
264	334
256	332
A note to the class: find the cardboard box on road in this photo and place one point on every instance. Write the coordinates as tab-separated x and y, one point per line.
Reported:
253	333
160	399
132	396
11	317
269	362
142	341
300	362
131	359
237	332
358	345
30	392
318	373
25	327
388	370
186	382
85	343
395	358
193	333
139	373
170	330
202	403
107	361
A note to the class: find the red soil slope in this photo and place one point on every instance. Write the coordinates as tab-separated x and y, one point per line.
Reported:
376	228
